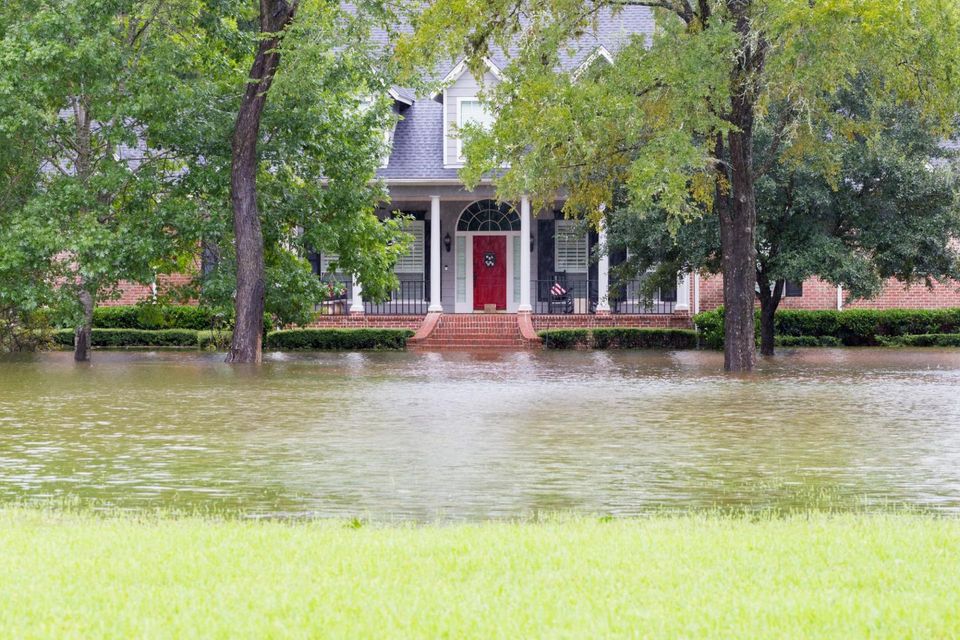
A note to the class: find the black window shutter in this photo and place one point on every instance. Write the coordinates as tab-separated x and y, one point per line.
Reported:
545	266
314	259
593	270
426	259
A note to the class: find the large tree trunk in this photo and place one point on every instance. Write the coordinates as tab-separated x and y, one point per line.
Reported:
246	344
769	302
738	218
84	332
737	239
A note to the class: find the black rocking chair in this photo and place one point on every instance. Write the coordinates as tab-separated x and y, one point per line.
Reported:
560	299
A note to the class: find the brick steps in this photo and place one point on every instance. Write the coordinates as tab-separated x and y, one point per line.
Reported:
474	331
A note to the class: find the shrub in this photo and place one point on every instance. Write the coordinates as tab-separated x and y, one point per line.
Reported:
132	338
630	338
152	317
24	330
338	339
565	338
709	325
214	340
808	341
854	327
922	340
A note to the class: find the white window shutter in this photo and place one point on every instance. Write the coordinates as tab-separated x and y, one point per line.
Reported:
572	253
413	260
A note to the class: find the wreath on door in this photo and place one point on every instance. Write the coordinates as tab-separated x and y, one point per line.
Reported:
490	259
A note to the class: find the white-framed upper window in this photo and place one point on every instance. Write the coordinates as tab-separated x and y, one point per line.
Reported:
571	253
471	111
413	260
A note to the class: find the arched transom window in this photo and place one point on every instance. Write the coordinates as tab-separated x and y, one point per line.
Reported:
487	215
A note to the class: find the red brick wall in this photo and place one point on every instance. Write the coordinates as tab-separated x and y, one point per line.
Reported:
367	321
132	293
674	321
818	294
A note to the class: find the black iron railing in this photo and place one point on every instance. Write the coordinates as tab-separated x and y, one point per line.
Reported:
629	297
336	305
555	296
579	297
408	299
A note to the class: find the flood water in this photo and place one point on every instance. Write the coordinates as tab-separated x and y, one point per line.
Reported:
472	436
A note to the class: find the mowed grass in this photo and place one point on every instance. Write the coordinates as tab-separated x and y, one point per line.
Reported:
66	575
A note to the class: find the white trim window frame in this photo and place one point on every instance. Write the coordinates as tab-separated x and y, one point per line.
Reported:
570	258
486	120
414	261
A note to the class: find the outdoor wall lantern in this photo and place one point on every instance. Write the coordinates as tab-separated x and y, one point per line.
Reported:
531	243
447	241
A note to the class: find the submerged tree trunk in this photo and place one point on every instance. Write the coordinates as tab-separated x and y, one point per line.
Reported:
84	332
738	218
738	241
246	345
769	302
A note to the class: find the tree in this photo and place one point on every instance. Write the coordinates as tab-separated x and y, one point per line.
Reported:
96	202
275	16
891	211
673	119
135	181
330	122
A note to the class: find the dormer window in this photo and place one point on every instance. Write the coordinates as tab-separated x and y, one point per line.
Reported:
471	111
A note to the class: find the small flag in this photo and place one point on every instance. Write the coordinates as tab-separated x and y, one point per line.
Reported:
558	290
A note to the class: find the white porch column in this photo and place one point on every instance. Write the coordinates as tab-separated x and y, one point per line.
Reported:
356	304
435	258
683	293
524	256
603	271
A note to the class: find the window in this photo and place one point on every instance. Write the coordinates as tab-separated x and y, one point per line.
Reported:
793	289
570	246
325	260
413	260
487	215
471	111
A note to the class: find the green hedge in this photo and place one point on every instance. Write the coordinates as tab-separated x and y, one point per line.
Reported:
565	338
132	338
624	338
153	317
923	340
312	339
619	338
808	341
214	340
338	339
854	327
709	326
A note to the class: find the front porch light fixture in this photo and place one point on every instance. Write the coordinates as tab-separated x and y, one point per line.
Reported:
447	241
531	243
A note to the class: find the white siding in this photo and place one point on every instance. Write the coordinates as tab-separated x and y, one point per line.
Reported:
466	86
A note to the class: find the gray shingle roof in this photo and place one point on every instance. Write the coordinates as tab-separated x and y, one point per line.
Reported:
417	151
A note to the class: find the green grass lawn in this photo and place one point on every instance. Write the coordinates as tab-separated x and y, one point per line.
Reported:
68	575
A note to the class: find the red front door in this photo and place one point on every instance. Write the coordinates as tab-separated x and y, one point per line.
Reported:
489	271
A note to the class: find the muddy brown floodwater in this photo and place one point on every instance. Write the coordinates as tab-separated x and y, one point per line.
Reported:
454	436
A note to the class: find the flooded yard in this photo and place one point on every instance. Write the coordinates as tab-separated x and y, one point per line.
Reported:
454	436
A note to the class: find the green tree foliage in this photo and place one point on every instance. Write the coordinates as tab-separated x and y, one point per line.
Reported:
95	201
891	209
85	86
671	122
